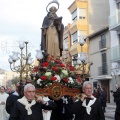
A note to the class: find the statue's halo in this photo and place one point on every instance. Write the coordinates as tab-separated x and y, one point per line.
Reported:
52	3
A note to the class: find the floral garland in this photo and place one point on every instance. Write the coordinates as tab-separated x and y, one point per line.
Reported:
54	70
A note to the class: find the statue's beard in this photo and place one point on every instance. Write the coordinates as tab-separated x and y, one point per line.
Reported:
52	15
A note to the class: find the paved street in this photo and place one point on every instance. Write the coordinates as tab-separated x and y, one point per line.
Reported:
110	111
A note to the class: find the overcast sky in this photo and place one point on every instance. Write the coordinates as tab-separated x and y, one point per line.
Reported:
21	20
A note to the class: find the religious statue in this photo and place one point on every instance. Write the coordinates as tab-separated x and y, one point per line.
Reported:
52	33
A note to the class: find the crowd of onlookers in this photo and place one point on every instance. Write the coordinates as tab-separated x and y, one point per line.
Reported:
101	94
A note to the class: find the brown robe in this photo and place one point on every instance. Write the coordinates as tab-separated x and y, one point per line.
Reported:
53	39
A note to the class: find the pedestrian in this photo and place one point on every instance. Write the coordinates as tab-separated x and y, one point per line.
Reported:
27	108
87	107
95	93
3	97
13	98
98	91
61	112
116	96
103	98
8	90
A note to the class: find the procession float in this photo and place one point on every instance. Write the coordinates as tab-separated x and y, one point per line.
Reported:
53	77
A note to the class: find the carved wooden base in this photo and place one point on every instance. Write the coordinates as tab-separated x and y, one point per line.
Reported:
56	91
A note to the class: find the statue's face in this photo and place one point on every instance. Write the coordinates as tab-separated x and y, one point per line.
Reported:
52	13
53	10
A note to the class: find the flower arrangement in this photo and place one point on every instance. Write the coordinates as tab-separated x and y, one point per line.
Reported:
54	70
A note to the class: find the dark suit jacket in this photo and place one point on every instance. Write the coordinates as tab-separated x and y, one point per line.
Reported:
20	113
61	112
116	95
10	102
81	114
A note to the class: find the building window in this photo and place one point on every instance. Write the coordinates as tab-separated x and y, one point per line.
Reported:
66	39
104	64
118	5
75	37
95	84
74	15
119	38
82	13
102	43
103	70
74	59
65	43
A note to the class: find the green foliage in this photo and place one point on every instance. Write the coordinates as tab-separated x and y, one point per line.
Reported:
15	80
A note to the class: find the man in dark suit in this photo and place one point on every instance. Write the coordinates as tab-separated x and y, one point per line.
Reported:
116	96
13	98
27	108
88	107
62	112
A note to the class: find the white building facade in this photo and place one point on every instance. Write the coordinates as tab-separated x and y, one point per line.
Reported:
114	27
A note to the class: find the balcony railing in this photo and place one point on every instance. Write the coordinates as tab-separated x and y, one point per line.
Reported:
115	53
114	20
103	70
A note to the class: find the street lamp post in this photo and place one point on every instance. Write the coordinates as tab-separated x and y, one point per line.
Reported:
84	65
25	60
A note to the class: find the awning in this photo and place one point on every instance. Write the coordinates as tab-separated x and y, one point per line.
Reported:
103	77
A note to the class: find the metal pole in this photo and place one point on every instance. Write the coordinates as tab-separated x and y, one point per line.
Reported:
26	61
21	65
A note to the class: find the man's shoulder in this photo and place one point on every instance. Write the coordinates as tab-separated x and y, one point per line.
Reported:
12	97
119	89
36	104
97	102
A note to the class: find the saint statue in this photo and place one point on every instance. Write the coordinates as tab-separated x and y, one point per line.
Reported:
52	33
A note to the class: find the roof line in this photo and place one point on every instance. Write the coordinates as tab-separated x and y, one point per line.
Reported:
97	32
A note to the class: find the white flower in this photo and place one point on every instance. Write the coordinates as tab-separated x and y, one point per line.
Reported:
47	73
65	72
58	78
70	80
38	81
